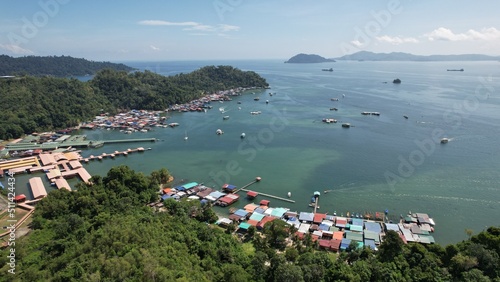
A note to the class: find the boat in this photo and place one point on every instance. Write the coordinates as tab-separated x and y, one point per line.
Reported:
186	136
346	125
256	99
225	117
334	99
239	102
334	109
330	69
444	140
219	132
289	194
329	120
455	70
242	135
267	101
405	116
255	113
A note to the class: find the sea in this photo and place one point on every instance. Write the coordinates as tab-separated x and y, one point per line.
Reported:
393	162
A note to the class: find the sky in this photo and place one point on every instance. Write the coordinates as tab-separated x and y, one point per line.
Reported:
166	30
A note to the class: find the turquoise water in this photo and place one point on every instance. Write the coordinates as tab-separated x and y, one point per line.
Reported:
381	162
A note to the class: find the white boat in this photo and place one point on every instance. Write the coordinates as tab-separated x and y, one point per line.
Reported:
255	113
186	136
225	117
289	194
444	140
242	135
219	132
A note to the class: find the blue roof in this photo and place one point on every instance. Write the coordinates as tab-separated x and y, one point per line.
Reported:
392	226
373	226
357	221
307	216
216	194
229	186
345	243
164	197
324	227
259	210
370	243
241	212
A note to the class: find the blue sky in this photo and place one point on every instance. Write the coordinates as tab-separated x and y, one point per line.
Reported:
245	29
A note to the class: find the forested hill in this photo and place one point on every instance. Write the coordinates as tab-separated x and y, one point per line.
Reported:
54	66
32	104
106	232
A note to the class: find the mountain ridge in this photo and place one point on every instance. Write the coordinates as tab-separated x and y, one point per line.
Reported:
401	56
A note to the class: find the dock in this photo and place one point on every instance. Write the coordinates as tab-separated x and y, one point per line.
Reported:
77	143
114	154
244	188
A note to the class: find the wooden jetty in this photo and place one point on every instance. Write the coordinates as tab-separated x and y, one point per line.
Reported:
263	194
116	153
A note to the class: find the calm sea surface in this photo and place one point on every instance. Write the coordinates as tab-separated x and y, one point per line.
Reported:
381	162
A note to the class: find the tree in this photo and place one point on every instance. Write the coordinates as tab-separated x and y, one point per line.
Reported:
390	247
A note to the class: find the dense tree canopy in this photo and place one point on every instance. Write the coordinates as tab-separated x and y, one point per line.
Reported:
106	232
29	104
54	66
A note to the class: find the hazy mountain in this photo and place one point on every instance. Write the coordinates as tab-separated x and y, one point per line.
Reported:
399	56
308	59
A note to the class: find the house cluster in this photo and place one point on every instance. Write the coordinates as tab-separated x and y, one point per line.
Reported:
132	121
332	232
202	104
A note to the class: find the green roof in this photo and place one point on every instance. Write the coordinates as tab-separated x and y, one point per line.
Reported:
244	225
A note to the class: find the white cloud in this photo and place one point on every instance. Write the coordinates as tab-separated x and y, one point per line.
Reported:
396	40
166	23
16	49
226	27
154	48
193	26
356	43
446	34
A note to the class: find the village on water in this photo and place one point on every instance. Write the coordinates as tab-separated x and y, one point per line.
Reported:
56	157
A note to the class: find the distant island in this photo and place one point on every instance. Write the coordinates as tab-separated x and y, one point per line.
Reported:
308	59
54	66
399	56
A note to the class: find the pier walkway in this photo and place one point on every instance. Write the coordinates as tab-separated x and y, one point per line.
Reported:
263	194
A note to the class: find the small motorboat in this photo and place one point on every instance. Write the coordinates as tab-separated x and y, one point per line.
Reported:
225	117
289	194
243	135
219	132
444	140
405	116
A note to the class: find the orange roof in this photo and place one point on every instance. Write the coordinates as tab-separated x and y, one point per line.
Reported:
166	190
252	222
339	235
318	217
62	183
37	187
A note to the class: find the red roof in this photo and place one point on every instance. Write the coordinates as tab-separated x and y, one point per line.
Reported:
20	198
335	244
265	220
318	217
264	203
252	222
252	194
324	243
